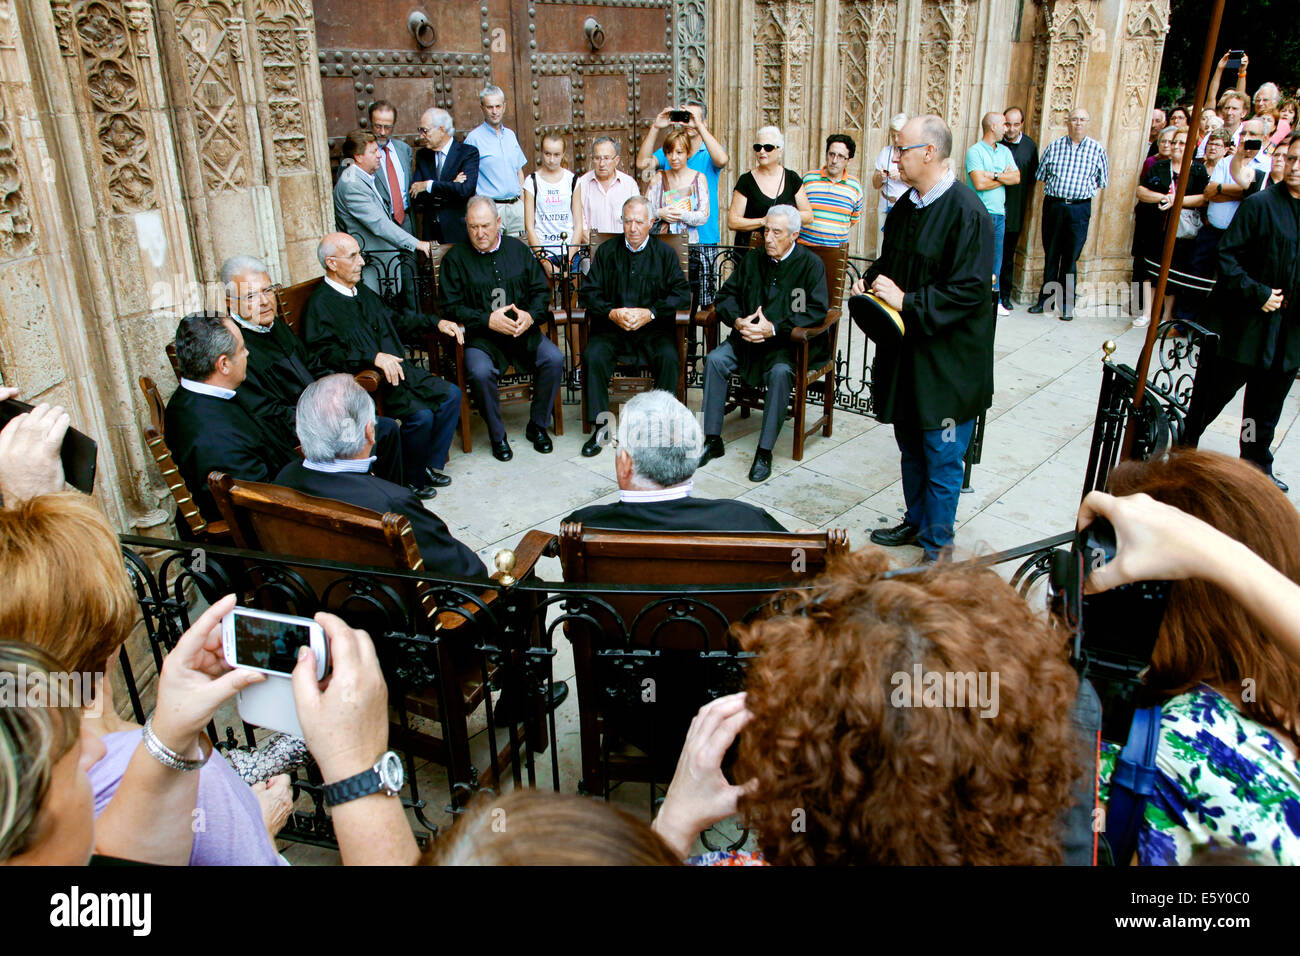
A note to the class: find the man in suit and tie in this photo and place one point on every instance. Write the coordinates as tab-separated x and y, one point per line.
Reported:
206	429
446	175
336	428
365	213
394	175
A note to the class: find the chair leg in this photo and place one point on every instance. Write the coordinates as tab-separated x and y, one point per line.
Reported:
830	402
466	443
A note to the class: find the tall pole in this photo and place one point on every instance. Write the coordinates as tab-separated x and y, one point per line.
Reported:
1171	227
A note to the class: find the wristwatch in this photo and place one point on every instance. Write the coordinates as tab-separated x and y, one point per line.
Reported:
386	775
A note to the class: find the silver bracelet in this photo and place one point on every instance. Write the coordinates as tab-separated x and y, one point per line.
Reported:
165	755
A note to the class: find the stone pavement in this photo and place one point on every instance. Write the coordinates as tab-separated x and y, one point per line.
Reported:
1046	378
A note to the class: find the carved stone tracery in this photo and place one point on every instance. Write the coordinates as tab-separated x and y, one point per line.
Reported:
945	52
690	51
211	40
17	237
868	33
284	38
782	44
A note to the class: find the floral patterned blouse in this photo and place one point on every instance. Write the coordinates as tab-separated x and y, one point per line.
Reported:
1222	779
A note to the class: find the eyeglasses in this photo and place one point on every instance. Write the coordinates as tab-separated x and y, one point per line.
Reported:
271	290
765	147
422	130
900	150
841	156
383	126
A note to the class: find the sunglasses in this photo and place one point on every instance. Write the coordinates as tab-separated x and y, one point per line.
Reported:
764	147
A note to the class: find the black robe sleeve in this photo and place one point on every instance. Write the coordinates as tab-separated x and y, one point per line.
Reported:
438	547
331	333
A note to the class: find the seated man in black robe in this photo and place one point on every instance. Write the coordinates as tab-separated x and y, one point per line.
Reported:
349	328
492	296
936	269
206	429
777	288
631	295
280	367
336	428
659	444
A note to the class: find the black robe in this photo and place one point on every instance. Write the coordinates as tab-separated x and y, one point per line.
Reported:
941	256
347	332
682	514
207	434
1019	196
471	284
1259	252
781	288
279	368
442	553
650	279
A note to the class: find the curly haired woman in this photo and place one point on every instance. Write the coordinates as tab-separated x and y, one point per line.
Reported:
848	759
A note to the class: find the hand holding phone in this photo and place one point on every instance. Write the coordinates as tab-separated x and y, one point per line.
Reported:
38	451
269	642
679	116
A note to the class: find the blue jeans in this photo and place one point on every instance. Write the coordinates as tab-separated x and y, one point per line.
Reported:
933	465
999	233
426	438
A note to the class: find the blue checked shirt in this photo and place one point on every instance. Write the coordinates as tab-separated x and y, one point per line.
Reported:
1070	171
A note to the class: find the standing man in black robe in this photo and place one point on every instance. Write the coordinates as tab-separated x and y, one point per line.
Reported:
349	328
1025	152
1256	312
492	296
935	268
631	296
206	429
776	289
280	367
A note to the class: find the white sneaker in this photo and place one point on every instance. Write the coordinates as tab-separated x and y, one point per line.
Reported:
1141	322
1003	310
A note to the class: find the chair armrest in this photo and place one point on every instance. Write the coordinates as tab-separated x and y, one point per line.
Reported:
369	380
532	546
802	334
706	317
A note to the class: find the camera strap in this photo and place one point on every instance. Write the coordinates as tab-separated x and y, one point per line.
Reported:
1132	784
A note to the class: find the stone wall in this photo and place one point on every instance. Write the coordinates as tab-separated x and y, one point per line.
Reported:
141	144
815	67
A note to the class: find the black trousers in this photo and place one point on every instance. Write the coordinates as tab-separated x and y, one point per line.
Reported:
1266	390
606	350
1065	229
1009	243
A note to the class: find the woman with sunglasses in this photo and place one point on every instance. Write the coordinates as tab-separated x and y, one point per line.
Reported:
768	184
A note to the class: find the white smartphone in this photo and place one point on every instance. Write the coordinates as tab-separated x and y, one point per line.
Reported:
268	642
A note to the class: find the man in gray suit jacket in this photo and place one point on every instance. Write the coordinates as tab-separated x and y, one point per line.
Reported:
395	160
365	213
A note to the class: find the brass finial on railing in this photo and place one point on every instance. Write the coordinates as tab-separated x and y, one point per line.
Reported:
1109	348
505	563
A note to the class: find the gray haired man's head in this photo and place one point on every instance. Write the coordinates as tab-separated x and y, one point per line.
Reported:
488	201
787	216
662	438
333	413
236	266
439	117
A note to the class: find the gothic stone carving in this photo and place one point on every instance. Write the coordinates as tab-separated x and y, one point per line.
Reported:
284	39
689	51
783	46
211	43
1145	27
1069	29
945	51
17	237
867	38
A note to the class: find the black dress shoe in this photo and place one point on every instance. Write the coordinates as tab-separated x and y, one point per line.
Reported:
437	478
593	445
505	712
1036	308
761	469
501	450
423	492
1067	316
713	448
541	441
896	536
1280	483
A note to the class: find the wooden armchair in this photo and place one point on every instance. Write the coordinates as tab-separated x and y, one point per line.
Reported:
217	532
822	375
684	625
624	386
281	521
511	393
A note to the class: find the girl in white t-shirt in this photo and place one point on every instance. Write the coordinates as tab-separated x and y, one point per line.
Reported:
552	205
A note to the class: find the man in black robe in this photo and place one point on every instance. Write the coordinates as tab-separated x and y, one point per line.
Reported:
776	289
631	297
206	429
935	268
336	428
492	296
1025	152
1255	310
280	367
349	328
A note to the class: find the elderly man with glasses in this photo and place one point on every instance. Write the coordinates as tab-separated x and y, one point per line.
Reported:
932	381
631	296
280	366
603	190
446	176
1255	310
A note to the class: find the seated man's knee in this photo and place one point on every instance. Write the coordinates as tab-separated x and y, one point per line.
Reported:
780	376
420	418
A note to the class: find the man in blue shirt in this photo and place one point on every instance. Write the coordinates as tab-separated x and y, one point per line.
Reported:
707	157
990	168
501	161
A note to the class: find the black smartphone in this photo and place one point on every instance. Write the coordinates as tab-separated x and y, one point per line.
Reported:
679	116
1234	59
1252	144
78	452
